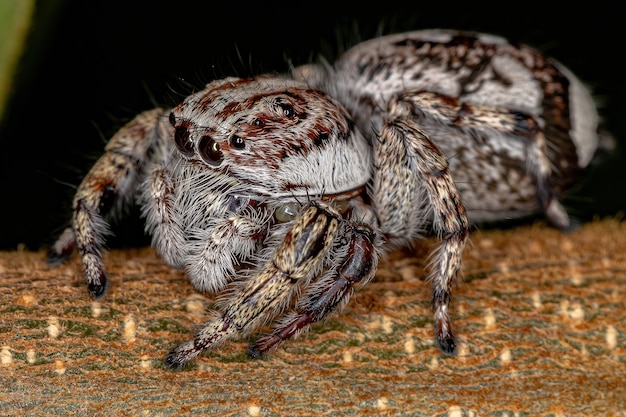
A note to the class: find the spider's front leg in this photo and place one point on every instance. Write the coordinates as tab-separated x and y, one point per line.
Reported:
407	163
296	260
111	183
357	265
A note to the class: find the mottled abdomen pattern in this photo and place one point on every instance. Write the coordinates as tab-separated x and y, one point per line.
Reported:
508	118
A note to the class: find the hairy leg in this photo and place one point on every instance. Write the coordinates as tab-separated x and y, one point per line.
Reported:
112	182
491	121
323	296
406	159
297	258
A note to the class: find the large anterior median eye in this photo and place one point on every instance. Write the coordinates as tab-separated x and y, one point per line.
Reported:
183	142
210	151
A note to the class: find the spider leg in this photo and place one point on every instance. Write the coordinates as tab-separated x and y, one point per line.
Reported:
406	161
62	248
499	121
298	257
109	185
324	295
163	221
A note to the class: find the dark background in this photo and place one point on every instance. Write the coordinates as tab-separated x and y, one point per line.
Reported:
92	65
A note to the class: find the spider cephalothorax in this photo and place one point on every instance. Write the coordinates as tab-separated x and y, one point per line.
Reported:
282	192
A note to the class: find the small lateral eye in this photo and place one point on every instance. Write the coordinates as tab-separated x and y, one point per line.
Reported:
210	151
182	141
237	142
172	119
288	110
258	122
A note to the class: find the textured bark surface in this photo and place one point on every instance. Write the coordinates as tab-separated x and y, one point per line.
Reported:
540	315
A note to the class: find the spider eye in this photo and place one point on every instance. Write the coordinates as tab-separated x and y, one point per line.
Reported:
210	151
183	143
288	110
237	142
172	119
258	122
286	212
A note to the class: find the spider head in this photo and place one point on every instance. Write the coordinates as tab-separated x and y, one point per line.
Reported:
276	136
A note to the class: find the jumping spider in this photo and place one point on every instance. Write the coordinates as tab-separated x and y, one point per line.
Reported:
281	192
